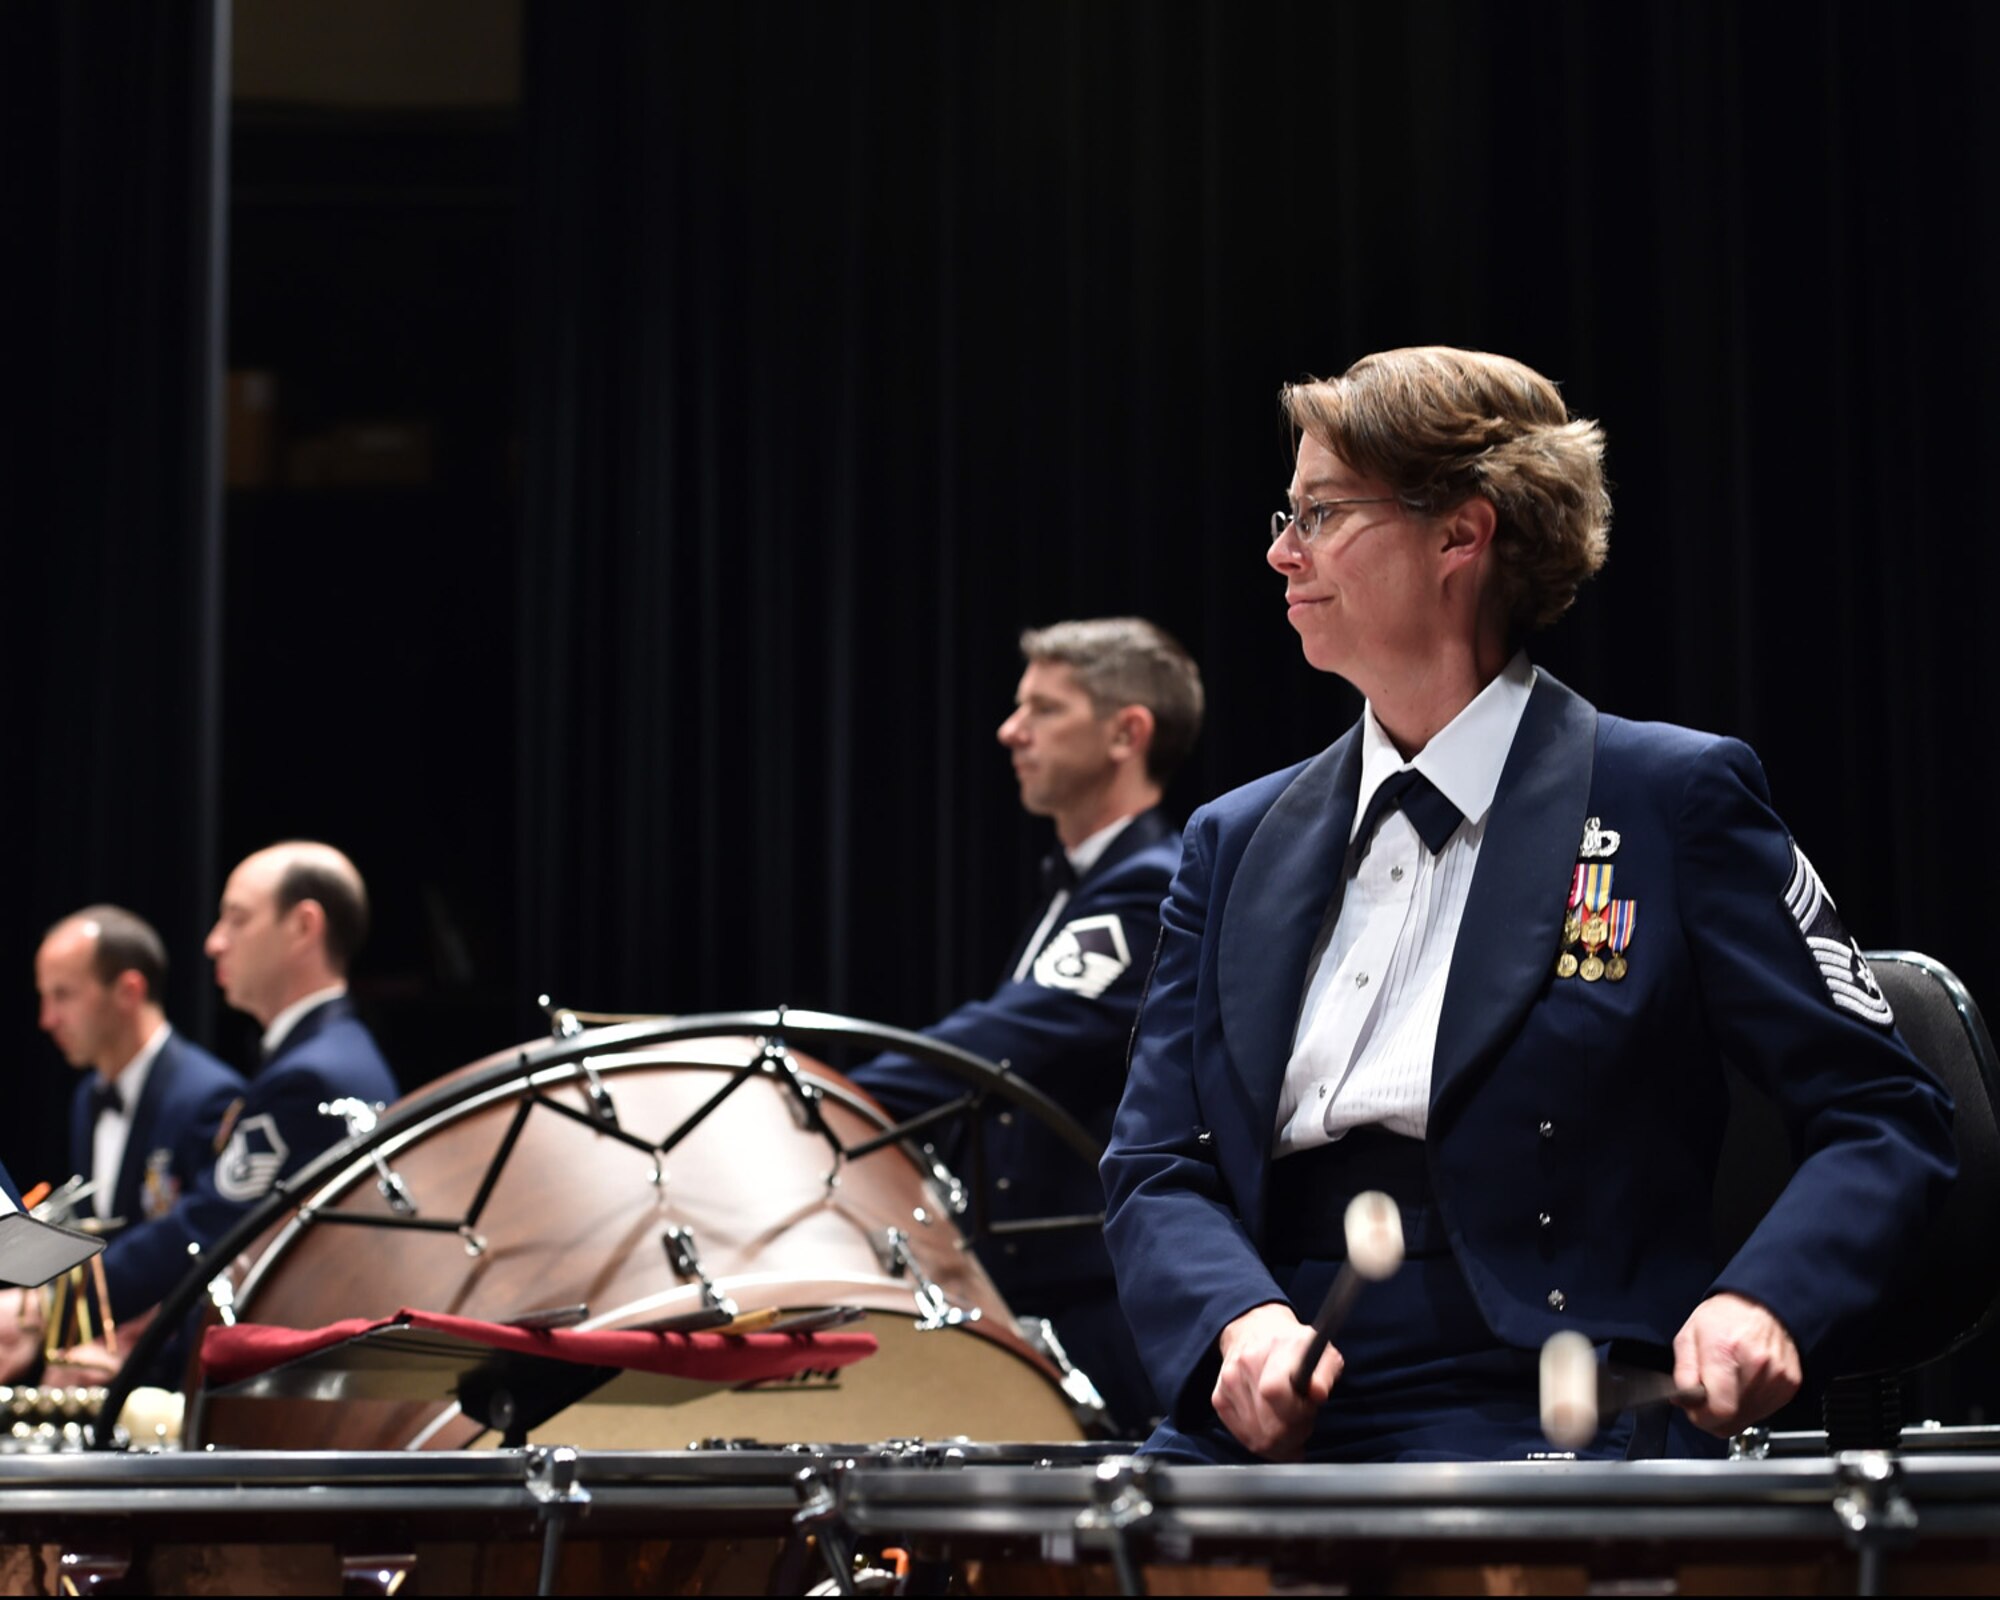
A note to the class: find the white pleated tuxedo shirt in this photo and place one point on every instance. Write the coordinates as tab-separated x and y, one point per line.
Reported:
1367	1029
114	1126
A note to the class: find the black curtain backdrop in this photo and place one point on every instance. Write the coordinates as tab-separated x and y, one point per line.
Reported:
852	340
111	677
858	338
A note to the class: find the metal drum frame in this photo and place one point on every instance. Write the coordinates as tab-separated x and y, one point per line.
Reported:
1058	1518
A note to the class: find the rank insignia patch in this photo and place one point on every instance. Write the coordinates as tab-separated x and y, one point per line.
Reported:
252	1160
1842	967
1085	957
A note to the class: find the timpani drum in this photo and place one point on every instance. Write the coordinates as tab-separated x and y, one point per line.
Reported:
674	1184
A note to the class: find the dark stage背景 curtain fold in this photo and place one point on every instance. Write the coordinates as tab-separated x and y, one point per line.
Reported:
857	338
112	182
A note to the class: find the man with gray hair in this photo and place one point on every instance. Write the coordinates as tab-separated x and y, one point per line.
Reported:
1106	711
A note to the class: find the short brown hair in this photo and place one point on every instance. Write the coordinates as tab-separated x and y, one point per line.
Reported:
1439	425
1128	661
123	941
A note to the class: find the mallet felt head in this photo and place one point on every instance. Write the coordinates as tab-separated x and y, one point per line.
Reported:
1569	1391
1374	1235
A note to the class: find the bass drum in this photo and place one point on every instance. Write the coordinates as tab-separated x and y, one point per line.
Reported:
647	1185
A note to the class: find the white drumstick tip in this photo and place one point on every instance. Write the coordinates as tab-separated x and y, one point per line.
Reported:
1374	1236
1569	1391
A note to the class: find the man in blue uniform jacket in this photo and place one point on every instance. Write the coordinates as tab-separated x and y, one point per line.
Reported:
292	918
1106	711
143	1123
1487	953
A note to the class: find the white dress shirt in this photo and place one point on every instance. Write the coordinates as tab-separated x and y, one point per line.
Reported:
288	1019
114	1127
1085	856
1368	1022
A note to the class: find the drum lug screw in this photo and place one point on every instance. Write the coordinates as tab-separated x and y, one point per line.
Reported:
1121	1504
685	1258
1752	1444
1873	1510
552	1476
819	1517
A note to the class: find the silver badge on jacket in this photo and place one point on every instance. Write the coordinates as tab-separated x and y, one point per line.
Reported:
252	1160
1085	957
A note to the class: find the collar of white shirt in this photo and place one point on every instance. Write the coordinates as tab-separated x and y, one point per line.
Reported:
1091	851
288	1019
131	1079
1464	757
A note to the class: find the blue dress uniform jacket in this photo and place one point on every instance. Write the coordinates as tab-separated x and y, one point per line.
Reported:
276	1130
169	1145
1574	1127
1067	1042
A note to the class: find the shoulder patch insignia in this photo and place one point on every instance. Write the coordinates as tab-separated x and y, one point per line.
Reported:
253	1159
1846	973
1085	957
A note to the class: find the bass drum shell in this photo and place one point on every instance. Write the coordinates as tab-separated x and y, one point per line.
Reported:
575	1217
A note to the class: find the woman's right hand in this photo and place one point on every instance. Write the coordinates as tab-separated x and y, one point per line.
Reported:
1254	1395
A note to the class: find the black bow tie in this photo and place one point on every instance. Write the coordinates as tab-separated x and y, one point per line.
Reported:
104	1097
1434	817
1057	873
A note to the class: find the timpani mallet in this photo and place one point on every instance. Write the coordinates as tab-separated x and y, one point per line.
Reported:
1577	1390
1374	1229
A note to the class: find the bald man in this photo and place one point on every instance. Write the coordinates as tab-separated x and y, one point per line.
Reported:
291	920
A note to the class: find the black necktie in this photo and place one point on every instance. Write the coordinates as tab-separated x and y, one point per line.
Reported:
104	1097
1057	873
1434	817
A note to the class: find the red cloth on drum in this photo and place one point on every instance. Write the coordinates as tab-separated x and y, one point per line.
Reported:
231	1354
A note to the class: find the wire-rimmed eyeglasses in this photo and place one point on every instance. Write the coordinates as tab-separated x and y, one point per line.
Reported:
1311	517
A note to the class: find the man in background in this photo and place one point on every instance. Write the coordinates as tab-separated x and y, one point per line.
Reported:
144	1119
1106	711
292	918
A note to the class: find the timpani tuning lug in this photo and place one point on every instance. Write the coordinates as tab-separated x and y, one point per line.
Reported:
603	1109
934	1307
685	1258
563	1022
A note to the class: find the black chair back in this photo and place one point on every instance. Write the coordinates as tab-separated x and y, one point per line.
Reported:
1951	1289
